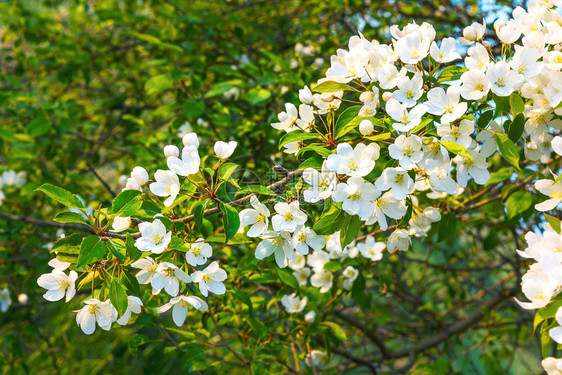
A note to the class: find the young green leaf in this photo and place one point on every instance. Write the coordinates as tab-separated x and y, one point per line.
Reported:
127	203
331	86
508	150
91	250
118	297
69	217
230	219
349	229
60	195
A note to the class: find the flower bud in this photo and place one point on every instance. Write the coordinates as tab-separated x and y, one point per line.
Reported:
140	175
469	33
22	298
366	127
132	184
305	95
190	139
121	223
386	96
171	150
223	149
498	25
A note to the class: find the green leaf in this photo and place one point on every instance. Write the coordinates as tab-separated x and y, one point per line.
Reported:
457	149
314	162
242	297
254	189
451	73
231	221
258	95
287	277
547	312
349	229
322	151
69	217
193	108
130	247
517	104
69	244
425	122
130	282
331	86
337	330
118	297
136	341
60	195
330	220
499	176
358	291
507	149
491	364
502	105
554	222
111	246
39	126
127	203
155	85
485	119
296	136
257	326
379	137
226	170
91	250
344	119
518	202
516	128
198	213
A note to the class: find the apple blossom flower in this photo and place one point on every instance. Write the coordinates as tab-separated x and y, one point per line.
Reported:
147	268
409	90
487	137
349	275
167	185
95	311
167	277
306	117
399	239
223	150
446	53
525	62
180	305
298	261
322	279
198	253
553	190
446	104
210	279
304	238
154	237
317	260
132	184
407	119
322	183
386	205
5	299
293	304
305	95
461	134
356	195
475	85
412	48
188	164
407	150
134	305
257	217
503	79
397	180
371	249
351	161
552	366
302	274
477	58
58	284
278	243
287	119
288	217
310	316
477	167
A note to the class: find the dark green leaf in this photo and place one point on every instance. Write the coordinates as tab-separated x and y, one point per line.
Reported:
91	250
349	229
127	203
518	202
508	150
69	217
118	297
230	219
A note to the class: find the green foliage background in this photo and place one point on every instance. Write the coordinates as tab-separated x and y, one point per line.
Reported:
97	87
